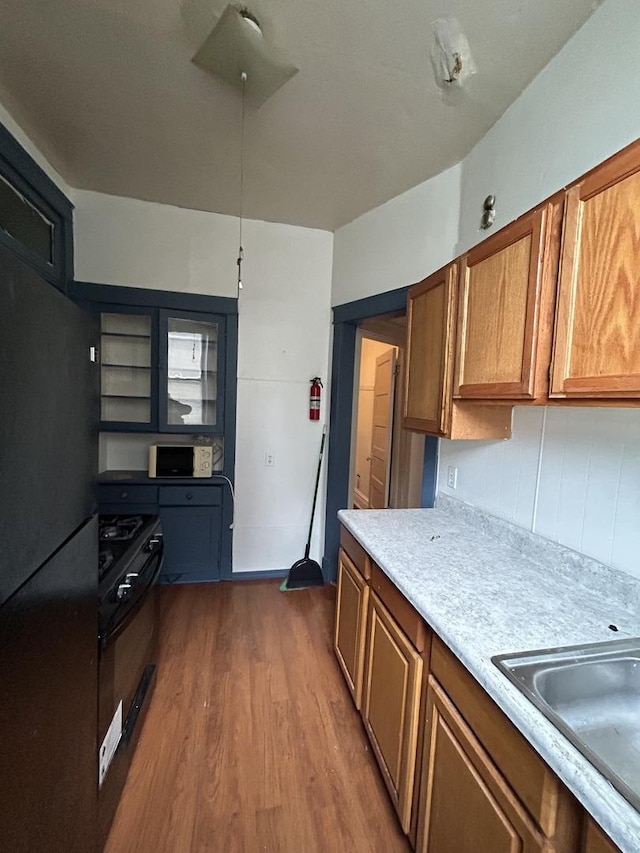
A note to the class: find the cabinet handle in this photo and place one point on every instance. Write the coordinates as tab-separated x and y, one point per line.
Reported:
189	496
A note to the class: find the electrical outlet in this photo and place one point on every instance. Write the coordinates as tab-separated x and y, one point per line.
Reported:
269	459
452	477
110	744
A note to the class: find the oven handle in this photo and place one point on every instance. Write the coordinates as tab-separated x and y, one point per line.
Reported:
120	624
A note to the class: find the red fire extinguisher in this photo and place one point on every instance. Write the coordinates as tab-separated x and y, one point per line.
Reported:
314	398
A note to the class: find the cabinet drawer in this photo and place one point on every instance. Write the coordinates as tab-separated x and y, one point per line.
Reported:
125	494
190	496
356	553
409	619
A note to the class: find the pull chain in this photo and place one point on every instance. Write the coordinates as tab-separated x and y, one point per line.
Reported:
243	78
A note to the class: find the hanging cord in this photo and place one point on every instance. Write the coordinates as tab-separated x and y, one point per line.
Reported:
243	79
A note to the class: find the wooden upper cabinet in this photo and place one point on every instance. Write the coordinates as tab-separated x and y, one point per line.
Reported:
428	404
431	311
597	345
501	283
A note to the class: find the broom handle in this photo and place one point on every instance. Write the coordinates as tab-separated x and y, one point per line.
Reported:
315	493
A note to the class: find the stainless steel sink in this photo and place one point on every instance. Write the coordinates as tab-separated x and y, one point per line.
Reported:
591	693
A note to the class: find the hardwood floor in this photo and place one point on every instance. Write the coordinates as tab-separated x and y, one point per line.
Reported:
252	742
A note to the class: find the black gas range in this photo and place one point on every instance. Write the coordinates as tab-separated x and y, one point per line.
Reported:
130	561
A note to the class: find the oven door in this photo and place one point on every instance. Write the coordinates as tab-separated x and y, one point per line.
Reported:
115	619
128	654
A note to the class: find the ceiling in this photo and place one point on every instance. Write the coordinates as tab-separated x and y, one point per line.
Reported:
107	91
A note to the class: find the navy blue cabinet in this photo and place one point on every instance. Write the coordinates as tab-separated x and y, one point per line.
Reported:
129	369
162	370
192	523
168	367
191	375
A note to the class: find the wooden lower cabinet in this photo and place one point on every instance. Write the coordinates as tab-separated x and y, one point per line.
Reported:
466	805
351	622
391	705
595	841
461	777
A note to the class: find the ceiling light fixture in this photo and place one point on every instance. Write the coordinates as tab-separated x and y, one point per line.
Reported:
236	52
236	45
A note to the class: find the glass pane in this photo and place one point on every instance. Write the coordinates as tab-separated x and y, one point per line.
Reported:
24	223
126	381
192	382
132	410
126	324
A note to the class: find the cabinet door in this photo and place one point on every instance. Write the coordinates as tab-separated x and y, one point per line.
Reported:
192	536
466	806
597	348
391	704
431	307
128	369
191	372
349	636
500	291
595	841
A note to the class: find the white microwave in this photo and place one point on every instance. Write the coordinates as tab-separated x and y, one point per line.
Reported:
180	460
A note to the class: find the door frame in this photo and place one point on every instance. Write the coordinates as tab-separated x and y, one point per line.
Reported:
345	323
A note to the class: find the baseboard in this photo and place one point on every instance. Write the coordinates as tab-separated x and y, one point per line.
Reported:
259	576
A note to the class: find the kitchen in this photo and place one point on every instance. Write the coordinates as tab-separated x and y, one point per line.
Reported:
530	153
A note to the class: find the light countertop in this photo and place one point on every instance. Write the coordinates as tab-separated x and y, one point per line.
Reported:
488	588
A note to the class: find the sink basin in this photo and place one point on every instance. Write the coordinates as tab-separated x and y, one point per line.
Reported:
591	693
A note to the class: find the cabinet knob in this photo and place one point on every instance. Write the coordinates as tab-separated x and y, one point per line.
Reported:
189	496
124	495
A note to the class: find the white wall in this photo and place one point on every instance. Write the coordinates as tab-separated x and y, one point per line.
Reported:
581	109
572	475
140	244
399	242
284	327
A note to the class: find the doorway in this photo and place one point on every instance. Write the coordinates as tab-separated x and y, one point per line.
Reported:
386	460
348	322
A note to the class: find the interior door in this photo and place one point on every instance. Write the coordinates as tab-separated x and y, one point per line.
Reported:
382	430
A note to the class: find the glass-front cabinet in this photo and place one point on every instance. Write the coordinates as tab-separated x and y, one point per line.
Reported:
126	368
190	367
162	371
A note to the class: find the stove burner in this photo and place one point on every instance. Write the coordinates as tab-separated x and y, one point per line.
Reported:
120	527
